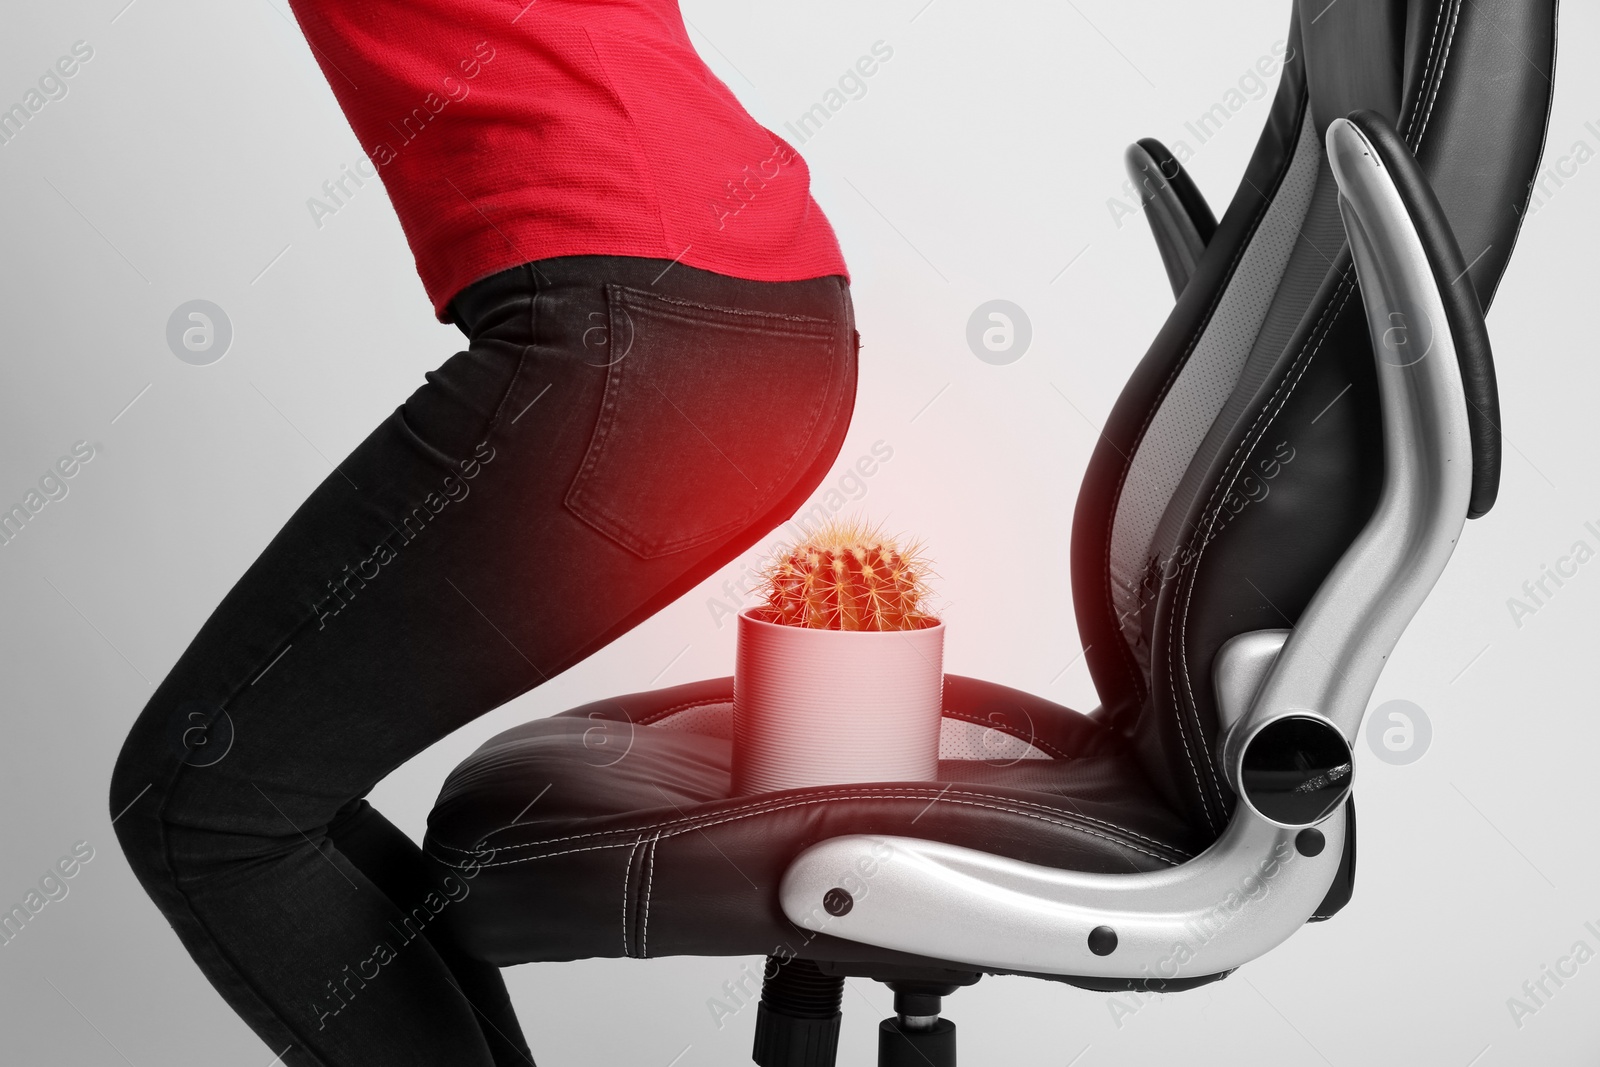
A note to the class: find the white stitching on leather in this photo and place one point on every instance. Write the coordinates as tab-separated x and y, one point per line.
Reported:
1124	830
1077	815
663	832
1036	741
1422	76
1438	81
1183	735
1255	226
1428	64
1144	425
948	713
1074	815
644	937
627	877
1178	646
1193	712
833	794
652	719
1425	115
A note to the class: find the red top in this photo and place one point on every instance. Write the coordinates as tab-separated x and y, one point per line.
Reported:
506	134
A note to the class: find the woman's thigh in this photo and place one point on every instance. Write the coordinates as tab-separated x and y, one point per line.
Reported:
604	443
611	436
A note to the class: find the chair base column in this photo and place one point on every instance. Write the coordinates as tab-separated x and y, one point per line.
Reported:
797	1021
903	1046
916	1036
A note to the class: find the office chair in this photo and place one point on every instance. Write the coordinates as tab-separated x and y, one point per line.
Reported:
1275	492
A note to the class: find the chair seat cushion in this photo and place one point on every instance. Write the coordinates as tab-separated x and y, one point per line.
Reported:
608	830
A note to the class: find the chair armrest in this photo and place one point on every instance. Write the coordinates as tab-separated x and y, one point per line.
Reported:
1291	701
1319	684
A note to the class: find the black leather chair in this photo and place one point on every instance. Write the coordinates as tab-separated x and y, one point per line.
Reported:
1275	492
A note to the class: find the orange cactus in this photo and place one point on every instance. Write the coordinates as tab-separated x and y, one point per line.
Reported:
848	577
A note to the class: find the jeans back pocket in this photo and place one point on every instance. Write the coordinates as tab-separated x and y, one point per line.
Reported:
709	415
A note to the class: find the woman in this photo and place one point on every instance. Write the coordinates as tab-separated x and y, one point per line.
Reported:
660	367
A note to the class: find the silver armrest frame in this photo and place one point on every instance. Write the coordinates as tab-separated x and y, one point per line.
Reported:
1264	877
1343	638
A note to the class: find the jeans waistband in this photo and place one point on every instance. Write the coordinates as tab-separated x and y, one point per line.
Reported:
826	297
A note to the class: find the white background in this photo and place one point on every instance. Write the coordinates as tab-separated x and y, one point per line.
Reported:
978	165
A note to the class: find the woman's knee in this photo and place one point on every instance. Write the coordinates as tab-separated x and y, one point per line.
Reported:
137	790
150	794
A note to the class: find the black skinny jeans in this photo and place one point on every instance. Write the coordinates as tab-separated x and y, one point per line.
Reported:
616	430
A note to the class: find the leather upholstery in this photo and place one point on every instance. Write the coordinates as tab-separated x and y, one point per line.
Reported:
1467	82
1169	170
1180	219
602	832
1464	317
607	831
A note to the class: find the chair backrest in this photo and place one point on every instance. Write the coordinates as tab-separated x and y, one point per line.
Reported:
1245	454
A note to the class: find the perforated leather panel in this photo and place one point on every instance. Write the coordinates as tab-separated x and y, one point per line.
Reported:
1205	383
959	739
1240	461
1318	245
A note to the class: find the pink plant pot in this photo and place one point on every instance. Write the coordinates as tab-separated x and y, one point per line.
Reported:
831	707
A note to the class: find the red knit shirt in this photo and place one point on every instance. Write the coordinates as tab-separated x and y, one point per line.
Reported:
506	134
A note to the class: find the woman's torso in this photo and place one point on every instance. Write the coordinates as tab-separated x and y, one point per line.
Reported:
506	134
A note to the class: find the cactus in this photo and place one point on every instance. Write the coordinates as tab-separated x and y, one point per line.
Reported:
848	576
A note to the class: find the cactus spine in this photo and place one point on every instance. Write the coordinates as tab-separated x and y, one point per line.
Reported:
848	577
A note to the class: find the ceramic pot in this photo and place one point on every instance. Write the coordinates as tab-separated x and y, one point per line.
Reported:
832	707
